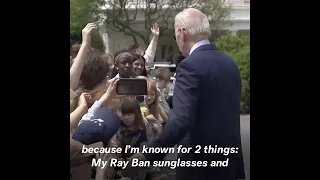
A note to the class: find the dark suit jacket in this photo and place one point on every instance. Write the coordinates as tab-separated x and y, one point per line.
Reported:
206	111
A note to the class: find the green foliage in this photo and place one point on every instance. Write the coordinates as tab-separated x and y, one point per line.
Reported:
238	47
216	34
97	42
243	32
81	13
120	18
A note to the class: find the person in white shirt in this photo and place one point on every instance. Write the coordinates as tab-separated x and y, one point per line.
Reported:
149	53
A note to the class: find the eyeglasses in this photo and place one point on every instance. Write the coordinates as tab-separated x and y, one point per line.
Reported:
174	36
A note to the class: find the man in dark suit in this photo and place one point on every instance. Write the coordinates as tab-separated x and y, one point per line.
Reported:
176	59
206	104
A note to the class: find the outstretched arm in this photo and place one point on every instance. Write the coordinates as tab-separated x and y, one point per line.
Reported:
77	66
150	52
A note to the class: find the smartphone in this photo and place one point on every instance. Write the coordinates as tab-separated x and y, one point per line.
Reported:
140	99
132	86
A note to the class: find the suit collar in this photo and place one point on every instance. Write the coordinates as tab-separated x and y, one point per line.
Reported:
198	44
206	47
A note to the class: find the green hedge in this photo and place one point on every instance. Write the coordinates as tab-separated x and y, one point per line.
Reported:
238	47
96	40
80	15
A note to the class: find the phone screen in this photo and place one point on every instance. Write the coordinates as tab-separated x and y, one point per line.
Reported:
132	86
140	99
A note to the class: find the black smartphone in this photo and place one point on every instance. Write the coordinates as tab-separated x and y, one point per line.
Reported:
132	86
140	99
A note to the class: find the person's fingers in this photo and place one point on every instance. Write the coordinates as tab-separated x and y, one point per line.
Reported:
111	81
88	97
113	87
82	98
90	28
115	82
89	24
85	28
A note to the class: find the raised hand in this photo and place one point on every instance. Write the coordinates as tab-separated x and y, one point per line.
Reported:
110	98
155	29
85	100
112	86
86	33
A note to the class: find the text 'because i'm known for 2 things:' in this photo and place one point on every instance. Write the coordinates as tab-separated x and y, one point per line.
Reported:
180	149
172	164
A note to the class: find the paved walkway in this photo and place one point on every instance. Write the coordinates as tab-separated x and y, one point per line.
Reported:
245	138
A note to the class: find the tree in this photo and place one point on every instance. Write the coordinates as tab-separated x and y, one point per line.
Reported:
123	15
81	13
238	47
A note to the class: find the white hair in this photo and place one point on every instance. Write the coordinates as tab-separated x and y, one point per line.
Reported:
194	22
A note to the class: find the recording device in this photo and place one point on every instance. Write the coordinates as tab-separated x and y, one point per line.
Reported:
132	86
140	99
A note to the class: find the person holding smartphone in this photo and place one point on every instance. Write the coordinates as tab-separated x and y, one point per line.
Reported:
101	122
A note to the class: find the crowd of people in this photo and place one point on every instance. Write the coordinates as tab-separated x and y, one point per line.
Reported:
99	117
134	120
